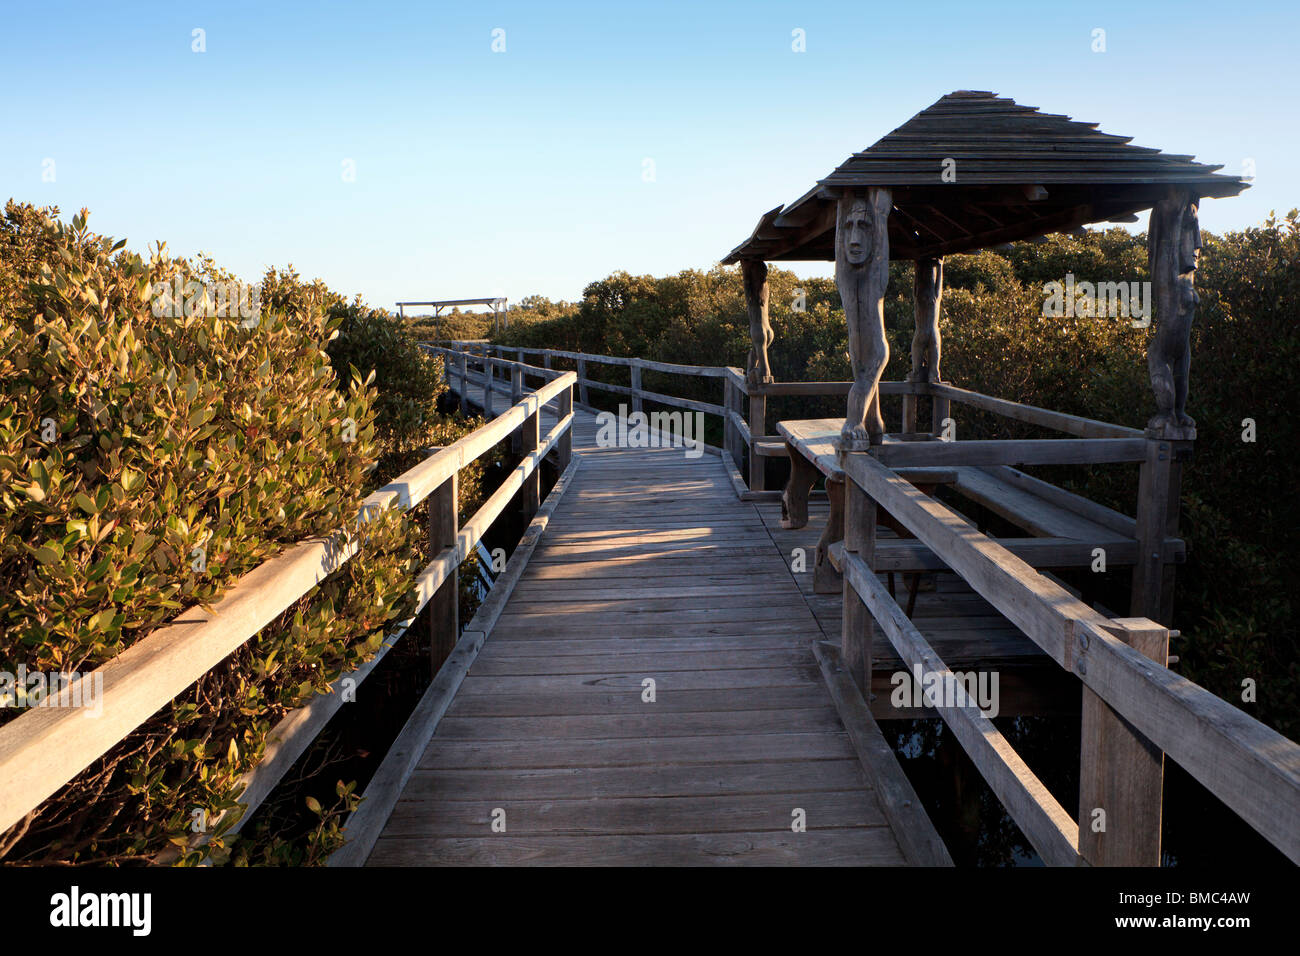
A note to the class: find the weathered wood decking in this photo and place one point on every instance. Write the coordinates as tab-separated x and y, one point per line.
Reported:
651	569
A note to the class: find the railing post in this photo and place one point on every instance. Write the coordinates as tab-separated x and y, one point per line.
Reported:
757	429
1159	487
487	388
1121	773
582	382
858	628
940	409
565	452
908	424
462	362
546	360
517	439
737	405
531	439
636	385
444	606
728	427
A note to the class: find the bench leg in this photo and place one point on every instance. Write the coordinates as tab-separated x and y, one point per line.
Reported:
794	500
826	580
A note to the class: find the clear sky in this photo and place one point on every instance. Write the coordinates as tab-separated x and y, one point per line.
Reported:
525	171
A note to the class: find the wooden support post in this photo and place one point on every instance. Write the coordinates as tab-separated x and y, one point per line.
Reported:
728	427
636	385
565	450
582	382
940	412
487	387
546	360
462	362
531	439
757	429
858	628
444	606
1121	773
518	439
1159	489
908	424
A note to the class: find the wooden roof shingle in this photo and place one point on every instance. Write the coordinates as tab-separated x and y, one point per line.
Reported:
1013	172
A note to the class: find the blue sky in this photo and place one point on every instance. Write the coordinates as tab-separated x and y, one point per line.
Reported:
518	172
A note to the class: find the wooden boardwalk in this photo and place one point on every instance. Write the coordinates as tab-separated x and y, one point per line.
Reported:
651	574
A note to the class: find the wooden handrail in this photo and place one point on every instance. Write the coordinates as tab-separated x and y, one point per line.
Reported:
703	371
46	747
1246	764
635	391
1030	451
1032	414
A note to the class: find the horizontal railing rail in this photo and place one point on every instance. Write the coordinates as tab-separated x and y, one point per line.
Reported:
46	747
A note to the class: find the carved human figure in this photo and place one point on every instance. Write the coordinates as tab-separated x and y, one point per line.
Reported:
926	343
754	275
861	272
1173	250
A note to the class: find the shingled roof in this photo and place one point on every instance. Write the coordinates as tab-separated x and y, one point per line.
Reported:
1016	173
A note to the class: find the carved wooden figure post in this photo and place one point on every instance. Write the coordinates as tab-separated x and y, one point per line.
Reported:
1173	244
754	275
862	272
927	292
1173	247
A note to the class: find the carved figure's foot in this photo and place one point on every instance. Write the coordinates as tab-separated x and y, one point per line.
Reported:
1161	422
1172	427
853	439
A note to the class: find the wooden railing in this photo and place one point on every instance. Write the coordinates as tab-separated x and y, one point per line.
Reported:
478	352
744	430
1253	769
46	747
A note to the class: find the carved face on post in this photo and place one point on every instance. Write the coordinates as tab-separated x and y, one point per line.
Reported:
855	232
